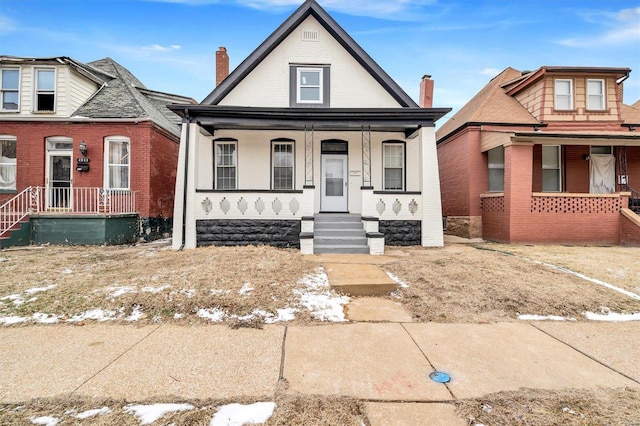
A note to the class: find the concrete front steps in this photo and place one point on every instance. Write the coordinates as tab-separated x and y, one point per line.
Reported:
339	233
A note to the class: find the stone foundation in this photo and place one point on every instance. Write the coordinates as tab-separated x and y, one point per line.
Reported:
401	232
464	226
229	232
153	228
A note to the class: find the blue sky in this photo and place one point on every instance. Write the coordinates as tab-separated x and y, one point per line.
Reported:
170	44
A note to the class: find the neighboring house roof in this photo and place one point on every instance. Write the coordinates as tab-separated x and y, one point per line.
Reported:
490	105
309	8
93	74
630	114
124	96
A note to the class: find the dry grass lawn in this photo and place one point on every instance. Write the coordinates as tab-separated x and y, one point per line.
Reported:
458	283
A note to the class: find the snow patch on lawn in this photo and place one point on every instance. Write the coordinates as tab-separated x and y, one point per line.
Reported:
20	298
93	413
40	289
148	414
94	314
214	315
120	290
318	298
286	314
238	414
606	315
154	290
136	314
12	320
246	289
397	280
544	318
45	420
41	318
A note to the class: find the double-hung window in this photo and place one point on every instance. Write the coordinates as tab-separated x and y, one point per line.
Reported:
595	95
496	169
309	86
118	160
282	164
10	89
226	160
7	162
551	172
393	166
563	94
45	90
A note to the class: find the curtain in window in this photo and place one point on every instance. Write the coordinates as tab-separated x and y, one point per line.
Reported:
118	165
7	173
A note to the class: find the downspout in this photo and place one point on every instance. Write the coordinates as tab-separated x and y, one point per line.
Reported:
186	176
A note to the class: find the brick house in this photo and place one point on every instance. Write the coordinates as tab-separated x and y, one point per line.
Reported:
308	143
88	154
549	156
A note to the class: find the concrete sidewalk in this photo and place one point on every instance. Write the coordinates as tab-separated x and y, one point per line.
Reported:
386	364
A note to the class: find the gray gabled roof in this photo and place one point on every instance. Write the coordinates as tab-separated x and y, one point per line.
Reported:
309	8
124	96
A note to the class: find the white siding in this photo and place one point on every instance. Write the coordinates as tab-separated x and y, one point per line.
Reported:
80	90
351	85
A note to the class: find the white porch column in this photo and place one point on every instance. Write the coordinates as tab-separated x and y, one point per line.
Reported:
432	233
179	213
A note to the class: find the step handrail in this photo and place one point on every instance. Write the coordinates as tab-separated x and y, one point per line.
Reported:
15	210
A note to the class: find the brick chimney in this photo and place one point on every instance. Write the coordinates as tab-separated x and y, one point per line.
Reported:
426	92
222	65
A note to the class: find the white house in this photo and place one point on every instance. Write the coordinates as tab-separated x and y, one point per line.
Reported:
308	129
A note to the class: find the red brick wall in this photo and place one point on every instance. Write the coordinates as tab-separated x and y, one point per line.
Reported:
495	222
576	169
463	174
633	166
147	165
629	232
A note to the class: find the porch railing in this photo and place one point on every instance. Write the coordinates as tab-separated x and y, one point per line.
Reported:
37	200
634	200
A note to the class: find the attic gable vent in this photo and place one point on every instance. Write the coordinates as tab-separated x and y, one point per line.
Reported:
310	36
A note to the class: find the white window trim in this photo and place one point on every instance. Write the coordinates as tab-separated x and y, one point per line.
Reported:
559	168
2	89
602	95
216	166
11	138
320	70
384	165
107	142
293	164
35	106
555	94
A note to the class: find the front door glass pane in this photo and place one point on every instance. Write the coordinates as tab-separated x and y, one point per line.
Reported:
334	186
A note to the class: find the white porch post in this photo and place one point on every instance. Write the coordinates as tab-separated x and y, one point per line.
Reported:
179	213
432	233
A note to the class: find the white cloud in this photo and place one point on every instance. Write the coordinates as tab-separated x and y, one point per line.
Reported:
6	25
491	72
623	27
159	48
394	10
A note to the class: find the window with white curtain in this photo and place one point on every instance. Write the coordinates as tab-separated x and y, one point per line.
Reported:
551	171
117	163
595	95
564	94
7	162
496	169
393	165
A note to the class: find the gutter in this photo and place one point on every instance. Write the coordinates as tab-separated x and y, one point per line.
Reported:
186	177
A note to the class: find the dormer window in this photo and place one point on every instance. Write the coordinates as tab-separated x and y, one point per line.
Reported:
595	95
564	94
309	85
10	89
45	95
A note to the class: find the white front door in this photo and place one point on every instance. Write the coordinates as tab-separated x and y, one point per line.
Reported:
58	194
334	183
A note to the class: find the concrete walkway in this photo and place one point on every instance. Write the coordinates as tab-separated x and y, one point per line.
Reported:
385	364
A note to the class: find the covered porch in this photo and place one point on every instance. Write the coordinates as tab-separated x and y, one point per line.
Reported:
291	164
575	188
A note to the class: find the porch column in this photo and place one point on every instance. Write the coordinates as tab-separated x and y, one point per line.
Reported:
432	233
518	178
184	212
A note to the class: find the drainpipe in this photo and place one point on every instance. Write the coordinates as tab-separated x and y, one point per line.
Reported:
186	177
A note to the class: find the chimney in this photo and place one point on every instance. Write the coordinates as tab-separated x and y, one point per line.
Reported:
426	92
222	65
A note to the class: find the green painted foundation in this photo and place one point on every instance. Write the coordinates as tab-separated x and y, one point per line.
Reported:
18	237
85	229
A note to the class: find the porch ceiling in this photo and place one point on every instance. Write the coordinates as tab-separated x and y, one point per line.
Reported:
491	139
407	120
